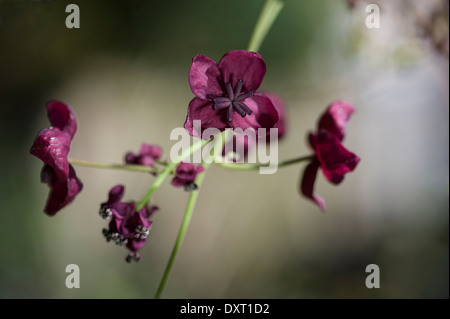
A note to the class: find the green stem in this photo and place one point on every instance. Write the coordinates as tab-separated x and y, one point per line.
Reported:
266	18
127	167
170	167
189	211
251	167
182	232
268	14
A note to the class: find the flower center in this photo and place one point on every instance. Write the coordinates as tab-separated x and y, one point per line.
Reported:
234	101
141	232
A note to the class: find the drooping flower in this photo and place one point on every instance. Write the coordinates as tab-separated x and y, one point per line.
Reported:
127	227
330	155
241	144
52	145
147	155
185	175
226	93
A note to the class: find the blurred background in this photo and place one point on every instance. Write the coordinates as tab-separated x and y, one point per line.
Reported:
124	72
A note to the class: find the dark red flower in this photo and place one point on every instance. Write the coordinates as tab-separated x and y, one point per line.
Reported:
146	156
127	226
52	145
185	175
330	155
228	87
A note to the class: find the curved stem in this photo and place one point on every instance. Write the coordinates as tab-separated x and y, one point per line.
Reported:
126	167
182	232
162	163
252	167
266	18
222	139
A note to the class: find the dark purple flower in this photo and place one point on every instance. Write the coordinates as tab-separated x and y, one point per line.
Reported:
185	175
241	144
52	145
146	156
127	226
330	155
226	93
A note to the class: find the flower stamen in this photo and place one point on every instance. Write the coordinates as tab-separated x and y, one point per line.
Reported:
238	88
221	103
243	96
233	101
189	187
230	91
141	232
133	257
107	234
239	109
119	239
105	212
230	114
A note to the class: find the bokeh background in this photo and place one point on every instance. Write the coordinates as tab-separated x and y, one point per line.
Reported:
124	72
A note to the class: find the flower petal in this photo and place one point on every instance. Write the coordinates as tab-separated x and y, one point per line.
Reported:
146	156
279	106
264	114
115	194
115	224
62	192
243	65
186	173
146	161
136	244
147	212
61	116
336	117
202	110
52	147
178	182
308	181
121	209
154	151
335	159
312	140
205	78
130	158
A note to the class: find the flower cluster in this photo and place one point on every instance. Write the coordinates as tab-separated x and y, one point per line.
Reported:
222	90
52	146
127	227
